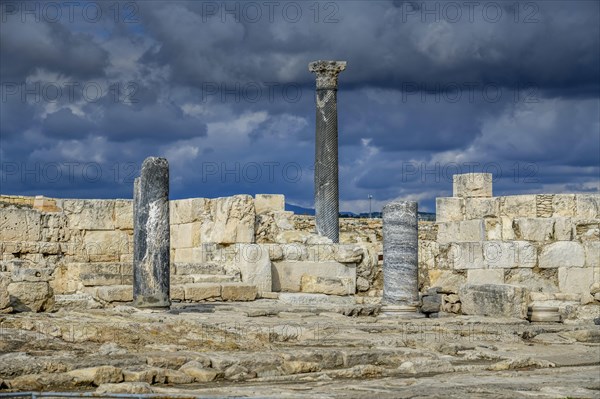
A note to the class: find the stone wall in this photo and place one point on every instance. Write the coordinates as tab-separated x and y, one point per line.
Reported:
63	252
548	244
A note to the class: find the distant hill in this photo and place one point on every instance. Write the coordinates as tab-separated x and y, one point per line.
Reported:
298	210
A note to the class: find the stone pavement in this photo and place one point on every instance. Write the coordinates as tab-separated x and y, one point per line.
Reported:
269	348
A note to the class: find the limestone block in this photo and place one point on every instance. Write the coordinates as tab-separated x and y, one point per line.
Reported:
446	280
592	253
123	214
348	253
97	375
518	206
427	253
493	228
587	230
508	232
497	300
185	235
32	275
200	268
534	229
449	209
468	230
485	276
89	280
562	254
189	210
466	255
115	293
588	206
477	208
34	297
105	245
295	252
4	296
287	275
238	292
185	255
269	202
563	229
19	225
325	252
177	292
77	269
198	292
254	264
500	254
575	279
544	281
44	204
327	285
563	205
472	185
89	214
272	223
198	372
232	221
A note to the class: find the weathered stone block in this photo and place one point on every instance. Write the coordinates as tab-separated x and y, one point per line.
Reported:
100	279
562	254
189	210
499	254
4	296
518	206
254	264
115	293
105	245
177	292
472	185
232	221
269	202
498	300
123	214
588	206
592	253
32	275
468	230
327	285
485	276
19	225
347	253
238	292
26	296
184	255
534	229
200	268
466	255
563	205
89	214
587	230
575	279
446	280
545	280
563	229
287	275
199	292
185	235
449	209
477	208
493	228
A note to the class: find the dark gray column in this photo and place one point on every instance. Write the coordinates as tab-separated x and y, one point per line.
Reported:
151	235
400	260
326	150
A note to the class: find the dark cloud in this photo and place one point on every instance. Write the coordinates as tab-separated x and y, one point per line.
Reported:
507	87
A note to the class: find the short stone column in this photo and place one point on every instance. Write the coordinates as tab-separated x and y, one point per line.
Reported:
326	149
400	260
151	235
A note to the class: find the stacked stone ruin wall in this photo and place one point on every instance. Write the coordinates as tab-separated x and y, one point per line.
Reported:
54	247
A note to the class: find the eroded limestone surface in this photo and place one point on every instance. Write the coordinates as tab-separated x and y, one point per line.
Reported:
268	348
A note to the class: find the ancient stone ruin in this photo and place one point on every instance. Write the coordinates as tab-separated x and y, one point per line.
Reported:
259	299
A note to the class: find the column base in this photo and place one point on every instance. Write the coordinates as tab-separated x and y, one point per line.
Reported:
151	302
401	312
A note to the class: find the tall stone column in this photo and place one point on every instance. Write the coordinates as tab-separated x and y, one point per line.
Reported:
151	235
400	260
326	150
